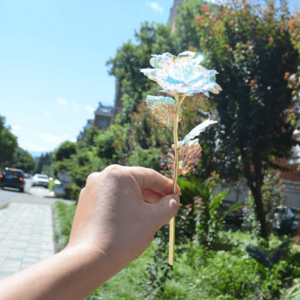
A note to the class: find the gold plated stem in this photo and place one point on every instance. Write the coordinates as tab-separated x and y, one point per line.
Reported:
172	222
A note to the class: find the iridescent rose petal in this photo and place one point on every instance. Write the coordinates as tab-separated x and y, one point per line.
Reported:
163	109
182	74
196	131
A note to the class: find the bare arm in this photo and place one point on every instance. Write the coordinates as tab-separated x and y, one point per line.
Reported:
118	214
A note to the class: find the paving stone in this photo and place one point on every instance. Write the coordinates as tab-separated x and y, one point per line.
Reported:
26	236
16	253
13	259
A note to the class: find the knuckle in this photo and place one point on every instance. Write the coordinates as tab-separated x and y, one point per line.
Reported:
115	171
91	176
113	168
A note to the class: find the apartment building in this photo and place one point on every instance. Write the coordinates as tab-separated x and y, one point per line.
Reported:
104	115
173	13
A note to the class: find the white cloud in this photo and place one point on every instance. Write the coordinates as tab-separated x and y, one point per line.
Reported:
89	108
47	113
155	6
48	137
33	147
17	128
62	101
75	105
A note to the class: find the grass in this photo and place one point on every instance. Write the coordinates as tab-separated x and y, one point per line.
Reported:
193	275
63	219
4	206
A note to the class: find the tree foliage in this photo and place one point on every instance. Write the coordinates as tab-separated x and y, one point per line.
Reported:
252	48
23	160
44	160
64	151
90	135
255	48
131	57
8	144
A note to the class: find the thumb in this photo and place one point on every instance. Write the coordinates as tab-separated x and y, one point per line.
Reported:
165	209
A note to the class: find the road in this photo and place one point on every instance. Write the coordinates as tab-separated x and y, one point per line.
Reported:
33	195
8	193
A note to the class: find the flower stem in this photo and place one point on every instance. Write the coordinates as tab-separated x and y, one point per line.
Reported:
176	169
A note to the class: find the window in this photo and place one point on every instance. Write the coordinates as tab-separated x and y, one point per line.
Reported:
102	122
105	110
121	95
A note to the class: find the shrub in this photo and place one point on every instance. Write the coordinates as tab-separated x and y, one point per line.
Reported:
63	219
230	276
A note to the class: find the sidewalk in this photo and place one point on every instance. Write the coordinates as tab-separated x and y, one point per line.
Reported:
26	236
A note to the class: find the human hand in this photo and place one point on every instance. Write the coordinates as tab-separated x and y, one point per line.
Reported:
117	216
120	210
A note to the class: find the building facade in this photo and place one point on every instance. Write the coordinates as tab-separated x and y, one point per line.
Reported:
104	115
173	13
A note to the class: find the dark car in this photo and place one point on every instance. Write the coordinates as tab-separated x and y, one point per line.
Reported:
235	217
285	220
13	178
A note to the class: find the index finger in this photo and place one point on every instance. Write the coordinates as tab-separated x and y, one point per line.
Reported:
150	179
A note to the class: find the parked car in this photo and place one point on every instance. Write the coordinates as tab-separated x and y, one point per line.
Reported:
58	189
40	180
235	217
13	178
286	220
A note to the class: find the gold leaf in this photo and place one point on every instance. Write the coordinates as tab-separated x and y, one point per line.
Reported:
189	156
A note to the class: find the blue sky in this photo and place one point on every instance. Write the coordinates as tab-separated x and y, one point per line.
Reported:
52	59
52	62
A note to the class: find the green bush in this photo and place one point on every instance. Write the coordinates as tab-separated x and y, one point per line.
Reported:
198	272
230	276
63	219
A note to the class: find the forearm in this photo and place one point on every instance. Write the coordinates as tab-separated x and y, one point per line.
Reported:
71	274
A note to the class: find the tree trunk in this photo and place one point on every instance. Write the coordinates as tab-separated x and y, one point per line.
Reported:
298	233
255	185
260	212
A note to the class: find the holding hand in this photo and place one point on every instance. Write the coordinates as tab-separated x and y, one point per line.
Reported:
117	216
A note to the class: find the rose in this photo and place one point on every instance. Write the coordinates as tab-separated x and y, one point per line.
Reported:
182	74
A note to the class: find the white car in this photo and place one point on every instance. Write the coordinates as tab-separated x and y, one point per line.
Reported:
40	180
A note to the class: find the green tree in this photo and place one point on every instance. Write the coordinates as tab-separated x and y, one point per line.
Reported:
105	144
186	36
23	160
252	48
90	136
132	57
8	144
44	160
64	151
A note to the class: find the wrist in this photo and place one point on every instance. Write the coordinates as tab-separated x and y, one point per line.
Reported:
100	265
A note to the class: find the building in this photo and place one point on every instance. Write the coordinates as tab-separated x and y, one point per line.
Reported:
88	125
173	13
104	115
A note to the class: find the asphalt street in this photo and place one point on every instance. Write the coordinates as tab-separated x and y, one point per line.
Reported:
32	195
8	193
